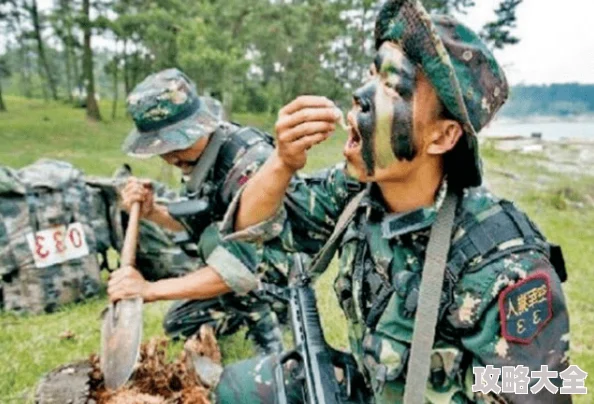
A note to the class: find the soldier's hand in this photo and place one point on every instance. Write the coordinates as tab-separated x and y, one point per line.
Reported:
301	124
126	283
137	190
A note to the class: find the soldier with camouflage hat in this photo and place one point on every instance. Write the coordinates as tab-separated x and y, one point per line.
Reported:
413	148
175	124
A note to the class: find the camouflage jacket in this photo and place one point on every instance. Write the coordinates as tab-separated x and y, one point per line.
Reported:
241	155
504	309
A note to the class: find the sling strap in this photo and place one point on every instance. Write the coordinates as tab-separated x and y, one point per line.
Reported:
207	160
322	259
430	292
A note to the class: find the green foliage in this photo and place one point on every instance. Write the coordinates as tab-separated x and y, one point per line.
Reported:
499	32
256	54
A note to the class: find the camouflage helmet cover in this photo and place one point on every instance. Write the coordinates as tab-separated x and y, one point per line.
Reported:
168	115
463	71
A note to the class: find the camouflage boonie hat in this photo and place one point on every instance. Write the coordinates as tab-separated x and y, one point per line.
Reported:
168	115
463	71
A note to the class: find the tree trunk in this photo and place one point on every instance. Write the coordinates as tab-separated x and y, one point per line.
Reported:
25	71
135	69
126	68
41	49
114	107
92	107
42	79
68	43
2	106
75	68
68	71
73	57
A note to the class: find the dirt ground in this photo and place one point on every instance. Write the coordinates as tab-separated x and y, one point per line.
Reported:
156	380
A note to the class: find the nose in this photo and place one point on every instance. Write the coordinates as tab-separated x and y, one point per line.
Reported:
361	100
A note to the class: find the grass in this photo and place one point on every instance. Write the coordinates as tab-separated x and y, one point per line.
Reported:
31	346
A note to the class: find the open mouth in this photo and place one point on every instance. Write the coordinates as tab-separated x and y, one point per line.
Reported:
354	139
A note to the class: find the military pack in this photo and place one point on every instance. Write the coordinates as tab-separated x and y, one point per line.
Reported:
55	230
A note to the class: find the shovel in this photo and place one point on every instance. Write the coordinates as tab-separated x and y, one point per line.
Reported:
121	331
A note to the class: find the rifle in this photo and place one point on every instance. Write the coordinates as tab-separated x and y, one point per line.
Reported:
316	360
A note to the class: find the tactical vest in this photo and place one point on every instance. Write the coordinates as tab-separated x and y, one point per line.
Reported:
242	147
504	232
53	225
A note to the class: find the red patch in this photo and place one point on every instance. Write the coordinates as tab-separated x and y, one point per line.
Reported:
526	307
243	179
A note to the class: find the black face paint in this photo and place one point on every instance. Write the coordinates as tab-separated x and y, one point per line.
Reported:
385	117
402	141
366	123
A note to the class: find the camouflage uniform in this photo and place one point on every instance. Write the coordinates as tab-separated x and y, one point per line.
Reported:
170	116
502	303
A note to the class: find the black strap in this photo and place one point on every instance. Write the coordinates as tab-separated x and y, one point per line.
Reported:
322	259
207	160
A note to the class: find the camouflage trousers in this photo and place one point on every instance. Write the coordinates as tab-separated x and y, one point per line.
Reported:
226	314
252	381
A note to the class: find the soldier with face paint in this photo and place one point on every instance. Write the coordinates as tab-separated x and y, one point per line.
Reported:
433	85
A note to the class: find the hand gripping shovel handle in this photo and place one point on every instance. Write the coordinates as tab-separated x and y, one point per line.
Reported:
128	254
121	331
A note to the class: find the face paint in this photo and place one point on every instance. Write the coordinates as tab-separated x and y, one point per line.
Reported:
366	124
385	116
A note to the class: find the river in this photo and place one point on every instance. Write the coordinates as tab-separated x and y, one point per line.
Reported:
550	130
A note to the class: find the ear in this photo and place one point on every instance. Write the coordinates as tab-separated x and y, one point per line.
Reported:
445	136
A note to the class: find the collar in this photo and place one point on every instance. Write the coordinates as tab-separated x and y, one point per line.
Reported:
396	224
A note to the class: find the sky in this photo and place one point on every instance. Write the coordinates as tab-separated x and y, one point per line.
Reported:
556	40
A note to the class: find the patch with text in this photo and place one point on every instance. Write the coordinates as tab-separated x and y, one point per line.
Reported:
525	308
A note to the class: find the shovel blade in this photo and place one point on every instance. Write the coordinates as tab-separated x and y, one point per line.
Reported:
121	334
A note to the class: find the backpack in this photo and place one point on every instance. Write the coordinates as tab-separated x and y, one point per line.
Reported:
54	227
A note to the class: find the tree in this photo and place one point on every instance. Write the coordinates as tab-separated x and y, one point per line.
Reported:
112	69
63	23
257	53
4	72
93	112
498	32
33	10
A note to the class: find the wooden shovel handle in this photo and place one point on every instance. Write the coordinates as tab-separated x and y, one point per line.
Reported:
128	254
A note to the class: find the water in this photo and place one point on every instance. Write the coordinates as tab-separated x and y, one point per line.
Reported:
550	130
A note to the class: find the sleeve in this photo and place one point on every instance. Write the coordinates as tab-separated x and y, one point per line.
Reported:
235	261
512	312
307	216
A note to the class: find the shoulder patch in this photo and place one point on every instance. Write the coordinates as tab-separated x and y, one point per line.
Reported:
525	308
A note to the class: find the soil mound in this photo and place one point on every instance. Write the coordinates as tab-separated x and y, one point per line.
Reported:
156	380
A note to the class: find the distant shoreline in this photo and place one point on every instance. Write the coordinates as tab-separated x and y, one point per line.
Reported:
543	119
